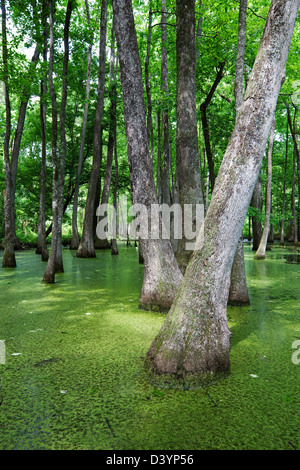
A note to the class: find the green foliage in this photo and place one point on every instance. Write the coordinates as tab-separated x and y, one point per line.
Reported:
218	21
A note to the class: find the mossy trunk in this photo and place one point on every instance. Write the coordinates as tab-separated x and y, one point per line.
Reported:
187	152
162	276
238	293
193	346
86	248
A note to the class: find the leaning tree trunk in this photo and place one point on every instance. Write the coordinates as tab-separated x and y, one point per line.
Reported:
162	276
87	248
261	251
193	346
238	294
187	154
75	236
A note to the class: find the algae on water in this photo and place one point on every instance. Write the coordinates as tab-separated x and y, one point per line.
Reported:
78	380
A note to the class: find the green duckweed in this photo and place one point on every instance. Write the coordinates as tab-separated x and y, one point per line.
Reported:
74	376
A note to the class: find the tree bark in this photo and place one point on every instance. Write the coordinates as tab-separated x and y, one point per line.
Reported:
9	259
187	153
75	236
11	162
238	293
87	248
103	243
41	241
256	223
284	186
297	159
49	275
162	276
261	252
63	144
147	83
166	195
55	261
293	234
193	346
114	246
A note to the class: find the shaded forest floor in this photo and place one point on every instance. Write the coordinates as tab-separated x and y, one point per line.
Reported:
74	377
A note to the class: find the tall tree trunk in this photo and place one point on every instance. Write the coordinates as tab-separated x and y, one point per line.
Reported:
162	276
147	83
261	252
11	163
187	153
284	186
114	246
75	236
18	136
193	346
238	293
55	261
49	276
297	159
86	248
166	195
63	144
256	223
158	169
293	234
41	241
103	243
271	230
9	259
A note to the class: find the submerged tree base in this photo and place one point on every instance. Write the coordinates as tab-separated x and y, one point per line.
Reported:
182	379
9	259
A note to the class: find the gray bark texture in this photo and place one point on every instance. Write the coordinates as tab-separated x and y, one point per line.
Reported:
261	251
238	293
166	195
162	276
104	243
75	236
284	186
256	223
49	275
41	241
11	161
9	259
187	153
55	261
193	346
87	248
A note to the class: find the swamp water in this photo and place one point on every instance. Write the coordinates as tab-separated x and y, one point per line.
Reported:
73	376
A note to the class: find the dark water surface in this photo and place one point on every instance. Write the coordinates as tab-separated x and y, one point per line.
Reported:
74	379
